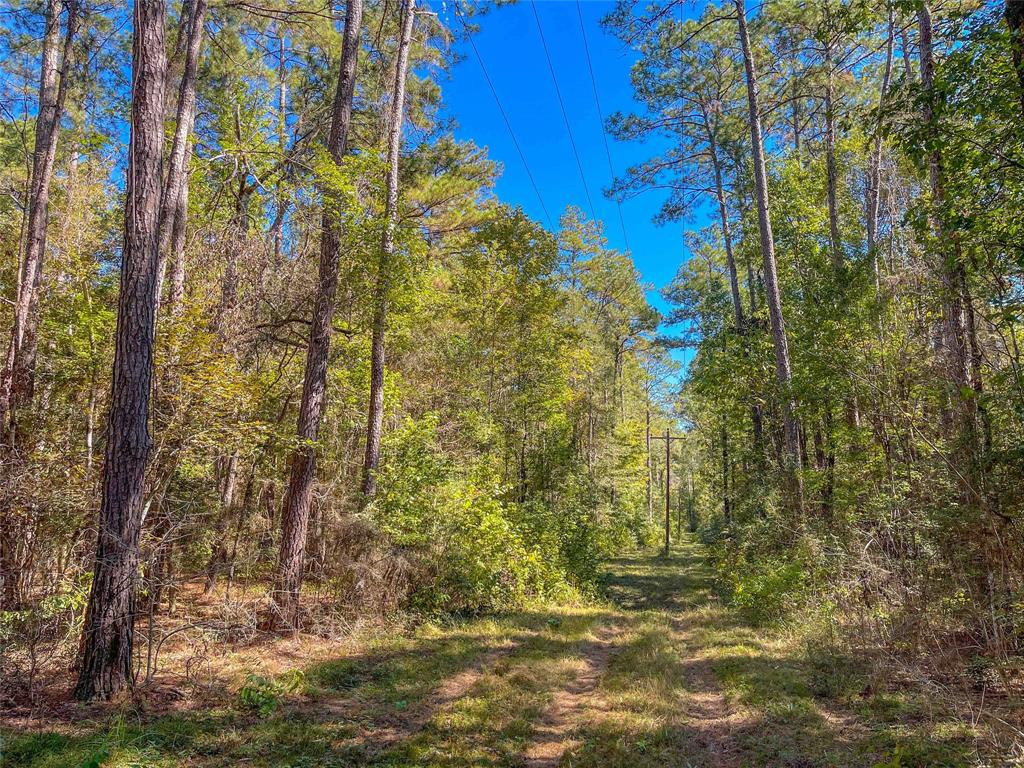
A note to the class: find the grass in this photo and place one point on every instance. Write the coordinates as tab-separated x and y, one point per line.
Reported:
686	684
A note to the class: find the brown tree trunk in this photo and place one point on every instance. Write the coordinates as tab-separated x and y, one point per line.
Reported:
375	416
875	163
953	270
831	172
723	214
174	201
108	634
730	260
298	496
219	556
782	365
17	375
726	500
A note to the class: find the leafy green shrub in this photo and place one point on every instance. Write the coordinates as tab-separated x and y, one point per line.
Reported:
475	550
767	590
263	694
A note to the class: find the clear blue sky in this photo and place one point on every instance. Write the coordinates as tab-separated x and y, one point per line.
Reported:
510	45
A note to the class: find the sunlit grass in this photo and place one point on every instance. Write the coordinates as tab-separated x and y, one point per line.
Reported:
687	684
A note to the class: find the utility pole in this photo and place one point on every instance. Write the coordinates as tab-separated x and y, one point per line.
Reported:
691	510
668	437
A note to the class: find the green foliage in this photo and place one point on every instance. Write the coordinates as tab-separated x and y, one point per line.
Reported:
476	550
263	694
767	590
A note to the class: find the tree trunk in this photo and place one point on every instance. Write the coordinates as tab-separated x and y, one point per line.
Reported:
953	270
375	417
772	294
723	214
298	496
730	259
17	375
108	634
280	202
175	194
691	507
832	173
726	501
875	162
177	249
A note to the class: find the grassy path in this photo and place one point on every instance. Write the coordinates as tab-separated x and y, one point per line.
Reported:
661	675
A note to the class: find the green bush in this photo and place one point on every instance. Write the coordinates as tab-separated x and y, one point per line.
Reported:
476	550
263	694
767	590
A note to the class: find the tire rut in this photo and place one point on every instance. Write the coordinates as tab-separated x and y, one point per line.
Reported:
573	706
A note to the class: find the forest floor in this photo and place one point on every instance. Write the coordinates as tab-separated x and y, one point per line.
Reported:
659	675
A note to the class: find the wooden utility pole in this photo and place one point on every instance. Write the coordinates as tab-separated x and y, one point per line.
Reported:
690	508
668	437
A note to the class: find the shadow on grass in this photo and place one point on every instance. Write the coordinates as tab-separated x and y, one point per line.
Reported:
695	686
678	582
370	708
688	685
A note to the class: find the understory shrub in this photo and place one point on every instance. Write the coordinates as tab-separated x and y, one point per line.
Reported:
475	548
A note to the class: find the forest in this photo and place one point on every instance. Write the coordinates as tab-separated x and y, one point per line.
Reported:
316	450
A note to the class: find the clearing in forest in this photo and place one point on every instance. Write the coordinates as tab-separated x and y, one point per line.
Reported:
660	675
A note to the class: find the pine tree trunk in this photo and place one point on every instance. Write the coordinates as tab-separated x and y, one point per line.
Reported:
375	416
723	214
730	260
298	496
874	195
174	201
17	374
650	469
108	634
953	270
831	172
782	364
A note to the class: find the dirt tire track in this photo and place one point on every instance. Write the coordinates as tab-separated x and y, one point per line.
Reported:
402	726
573	706
706	709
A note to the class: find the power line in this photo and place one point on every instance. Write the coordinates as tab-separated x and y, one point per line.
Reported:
561	103
600	115
504	116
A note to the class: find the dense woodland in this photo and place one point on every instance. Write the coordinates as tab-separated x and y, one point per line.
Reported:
270	335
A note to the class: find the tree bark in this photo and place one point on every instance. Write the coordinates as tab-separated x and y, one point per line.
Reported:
298	496
17	376
723	213
726	500
375	416
730	259
650	469
953	270
831	172
174	201
782	363
875	163
108	634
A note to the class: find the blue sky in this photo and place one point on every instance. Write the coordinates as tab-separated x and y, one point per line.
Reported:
511	49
